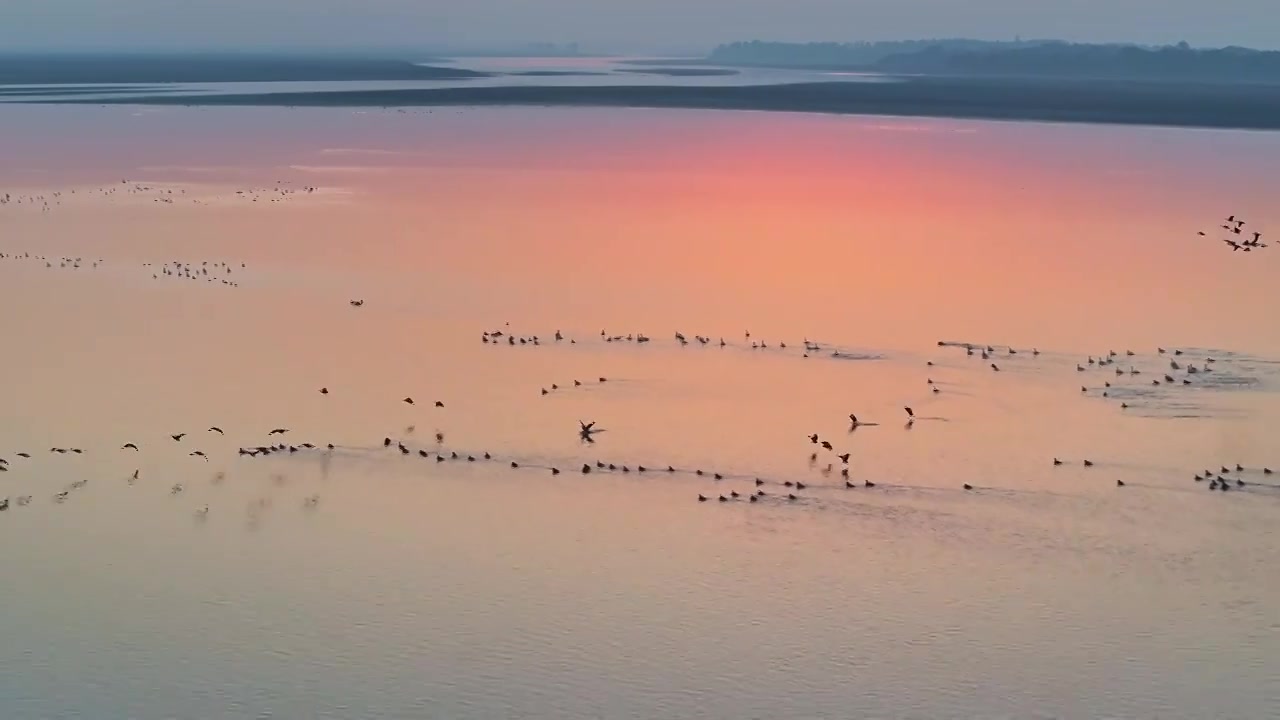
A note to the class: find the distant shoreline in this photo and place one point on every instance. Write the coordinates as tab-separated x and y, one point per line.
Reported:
143	69
1100	102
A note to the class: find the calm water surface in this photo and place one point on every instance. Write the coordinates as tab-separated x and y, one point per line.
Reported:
504	72
413	588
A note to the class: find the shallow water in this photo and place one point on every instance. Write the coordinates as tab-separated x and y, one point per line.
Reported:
505	72
416	588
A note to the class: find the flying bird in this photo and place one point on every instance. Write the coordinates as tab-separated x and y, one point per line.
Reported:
128	446
178	437
217	430
278	431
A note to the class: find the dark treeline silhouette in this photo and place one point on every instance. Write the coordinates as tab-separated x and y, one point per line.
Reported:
837	56
1037	58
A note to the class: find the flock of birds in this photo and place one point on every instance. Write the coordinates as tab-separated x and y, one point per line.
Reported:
1237	238
214	272
761	488
825	457
210	271
47	201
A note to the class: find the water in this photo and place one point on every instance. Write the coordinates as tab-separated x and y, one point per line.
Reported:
421	589
505	72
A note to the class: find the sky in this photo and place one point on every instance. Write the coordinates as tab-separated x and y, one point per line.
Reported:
669	26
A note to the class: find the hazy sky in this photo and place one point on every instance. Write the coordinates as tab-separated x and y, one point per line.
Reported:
621	25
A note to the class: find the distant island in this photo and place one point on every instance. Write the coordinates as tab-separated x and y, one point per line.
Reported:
1054	100
1031	58
156	68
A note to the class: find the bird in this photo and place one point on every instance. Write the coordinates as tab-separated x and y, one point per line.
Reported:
1056	461
868	483
324	391
439	403
178	437
197	453
217	430
1088	463
844	458
407	401
128	446
1119	483
967	486
826	445
281	431
911	414
701	497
